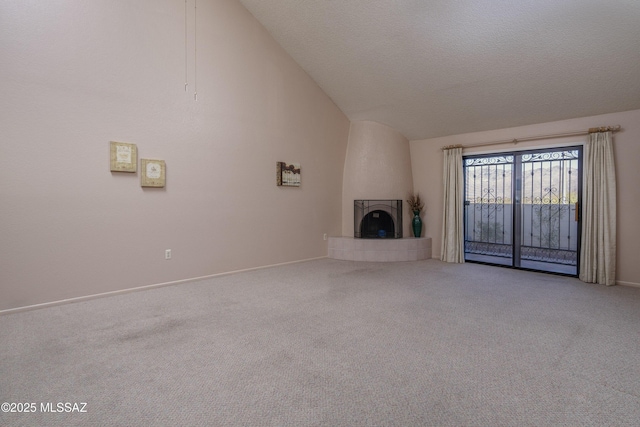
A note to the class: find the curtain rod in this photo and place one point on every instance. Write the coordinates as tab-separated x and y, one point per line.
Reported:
533	138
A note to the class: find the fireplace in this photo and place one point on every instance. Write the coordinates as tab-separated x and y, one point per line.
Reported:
377	219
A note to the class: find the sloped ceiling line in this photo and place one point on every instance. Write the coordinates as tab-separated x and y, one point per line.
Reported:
431	68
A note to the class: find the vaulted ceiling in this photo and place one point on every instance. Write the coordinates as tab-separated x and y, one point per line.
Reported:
432	68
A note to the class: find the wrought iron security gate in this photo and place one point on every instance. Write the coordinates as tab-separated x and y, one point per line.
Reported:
522	209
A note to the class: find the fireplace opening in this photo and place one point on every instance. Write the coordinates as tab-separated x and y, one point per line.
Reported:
377	219
377	224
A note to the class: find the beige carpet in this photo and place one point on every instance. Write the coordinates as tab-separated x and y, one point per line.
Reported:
334	343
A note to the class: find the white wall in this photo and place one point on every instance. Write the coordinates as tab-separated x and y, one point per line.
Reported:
78	74
426	160
377	167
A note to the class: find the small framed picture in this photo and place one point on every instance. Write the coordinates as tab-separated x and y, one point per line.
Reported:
124	157
153	173
288	175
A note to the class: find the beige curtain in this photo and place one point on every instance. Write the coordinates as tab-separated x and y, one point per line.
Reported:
452	249
598	249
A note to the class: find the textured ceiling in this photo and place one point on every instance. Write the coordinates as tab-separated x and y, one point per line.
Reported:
431	68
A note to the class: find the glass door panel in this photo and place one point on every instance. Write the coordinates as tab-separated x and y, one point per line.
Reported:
488	209
550	196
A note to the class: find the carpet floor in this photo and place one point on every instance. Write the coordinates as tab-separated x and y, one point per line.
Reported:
332	343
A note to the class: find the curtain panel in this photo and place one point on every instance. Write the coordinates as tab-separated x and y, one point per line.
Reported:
598	249
452	249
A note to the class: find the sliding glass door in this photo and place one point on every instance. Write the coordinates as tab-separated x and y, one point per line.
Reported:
522	209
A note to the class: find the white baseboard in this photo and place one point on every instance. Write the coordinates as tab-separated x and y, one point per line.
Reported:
143	288
632	284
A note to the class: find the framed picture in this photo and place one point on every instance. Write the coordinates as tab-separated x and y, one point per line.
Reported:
152	173
124	157
288	174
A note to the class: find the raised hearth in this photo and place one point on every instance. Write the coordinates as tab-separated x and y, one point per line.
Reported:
409	249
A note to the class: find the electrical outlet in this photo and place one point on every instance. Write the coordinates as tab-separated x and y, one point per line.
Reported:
324	236
167	254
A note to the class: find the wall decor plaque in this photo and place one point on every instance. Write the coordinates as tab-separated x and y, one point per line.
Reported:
124	157
288	174
152	173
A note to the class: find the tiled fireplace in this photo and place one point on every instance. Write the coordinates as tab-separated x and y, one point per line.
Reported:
377	228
